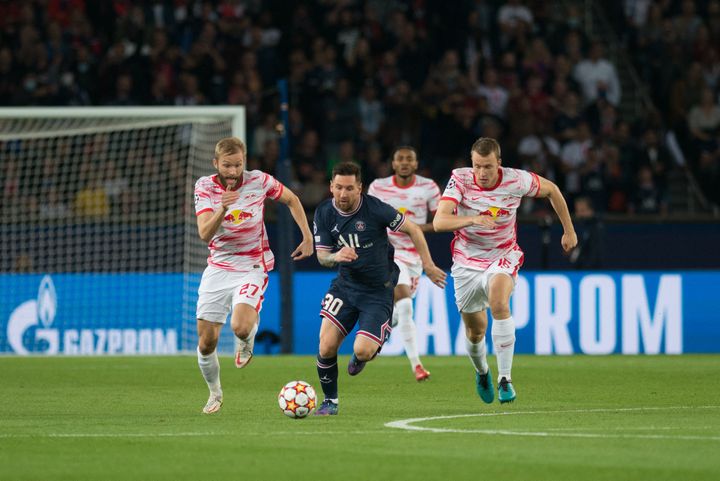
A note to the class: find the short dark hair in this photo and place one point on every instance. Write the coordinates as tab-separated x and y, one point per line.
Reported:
486	146
347	168
403	147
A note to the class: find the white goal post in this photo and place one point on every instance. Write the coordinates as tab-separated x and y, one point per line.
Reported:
97	226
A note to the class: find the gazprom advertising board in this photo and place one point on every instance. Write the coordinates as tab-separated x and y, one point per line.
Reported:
555	313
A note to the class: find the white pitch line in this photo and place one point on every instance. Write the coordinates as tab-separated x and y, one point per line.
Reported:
106	435
408	424
180	435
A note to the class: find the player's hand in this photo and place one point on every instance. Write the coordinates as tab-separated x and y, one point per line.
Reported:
569	241
484	221
305	249
436	275
229	197
346	254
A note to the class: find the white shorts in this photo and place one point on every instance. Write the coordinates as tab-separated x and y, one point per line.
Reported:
409	275
220	291
472	285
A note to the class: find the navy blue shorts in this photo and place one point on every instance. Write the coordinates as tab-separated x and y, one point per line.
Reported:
372	310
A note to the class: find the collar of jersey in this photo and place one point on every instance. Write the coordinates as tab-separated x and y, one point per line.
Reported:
217	181
348	214
499	181
404	186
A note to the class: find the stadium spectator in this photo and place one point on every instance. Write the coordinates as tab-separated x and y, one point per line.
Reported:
496	95
341	117
687	23
704	122
597	77
653	154
589	252
371	114
515	21
267	130
574	157
52	207
92	202
648	197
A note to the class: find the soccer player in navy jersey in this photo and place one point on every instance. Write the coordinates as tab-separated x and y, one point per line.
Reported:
351	232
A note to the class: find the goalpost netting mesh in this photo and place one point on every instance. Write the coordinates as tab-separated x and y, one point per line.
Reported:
98	229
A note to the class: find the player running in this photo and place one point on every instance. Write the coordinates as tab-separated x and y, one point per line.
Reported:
229	209
480	205
351	230
414	196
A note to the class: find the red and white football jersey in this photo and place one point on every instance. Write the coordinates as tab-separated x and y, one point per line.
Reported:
414	201
240	243
477	246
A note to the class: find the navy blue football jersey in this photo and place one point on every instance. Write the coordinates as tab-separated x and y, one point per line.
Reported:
365	230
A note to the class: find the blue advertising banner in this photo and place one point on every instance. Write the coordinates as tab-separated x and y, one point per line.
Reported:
560	313
85	314
554	312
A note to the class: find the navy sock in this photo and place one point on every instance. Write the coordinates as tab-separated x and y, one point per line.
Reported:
328	373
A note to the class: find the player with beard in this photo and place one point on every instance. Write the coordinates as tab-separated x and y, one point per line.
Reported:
230	216
351	231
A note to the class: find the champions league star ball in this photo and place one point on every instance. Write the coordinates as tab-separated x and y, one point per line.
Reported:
297	399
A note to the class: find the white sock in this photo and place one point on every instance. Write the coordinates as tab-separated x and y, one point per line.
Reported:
406	328
253	331
478	354
503	335
210	369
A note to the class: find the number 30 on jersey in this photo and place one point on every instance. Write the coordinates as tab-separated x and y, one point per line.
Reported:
332	304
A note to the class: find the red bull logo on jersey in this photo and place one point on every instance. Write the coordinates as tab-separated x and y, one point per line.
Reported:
495	212
237	216
406	211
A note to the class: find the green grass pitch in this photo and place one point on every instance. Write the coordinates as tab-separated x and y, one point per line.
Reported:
576	418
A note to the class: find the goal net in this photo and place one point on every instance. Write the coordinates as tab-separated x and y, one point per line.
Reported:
99	251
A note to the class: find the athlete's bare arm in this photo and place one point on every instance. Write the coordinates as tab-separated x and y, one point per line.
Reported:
209	222
305	249
428	227
549	189
447	221
434	273
328	259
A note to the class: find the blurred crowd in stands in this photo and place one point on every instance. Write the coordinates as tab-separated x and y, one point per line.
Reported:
368	75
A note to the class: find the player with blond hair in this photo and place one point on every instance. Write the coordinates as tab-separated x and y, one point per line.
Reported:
480	205
230	216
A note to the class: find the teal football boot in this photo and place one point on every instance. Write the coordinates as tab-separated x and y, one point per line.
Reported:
506	391
484	386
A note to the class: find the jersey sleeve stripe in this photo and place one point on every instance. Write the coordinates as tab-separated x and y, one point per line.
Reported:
323	248
202	211
280	191
536	181
445	197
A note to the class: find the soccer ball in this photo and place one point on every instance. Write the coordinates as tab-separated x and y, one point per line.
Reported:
297	399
